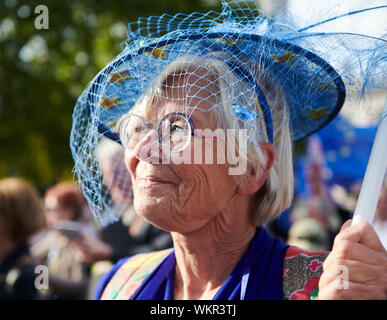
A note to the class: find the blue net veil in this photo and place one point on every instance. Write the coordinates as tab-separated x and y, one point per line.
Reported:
258	73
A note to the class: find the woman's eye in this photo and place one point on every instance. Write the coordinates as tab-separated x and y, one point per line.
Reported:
175	127
138	129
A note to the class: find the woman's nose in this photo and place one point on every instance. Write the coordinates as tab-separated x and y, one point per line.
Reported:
148	148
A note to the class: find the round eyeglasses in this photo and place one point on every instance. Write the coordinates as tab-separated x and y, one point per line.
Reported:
174	130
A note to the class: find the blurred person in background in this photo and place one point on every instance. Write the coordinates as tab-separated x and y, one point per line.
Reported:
314	208
318	204
57	246
309	234
21	216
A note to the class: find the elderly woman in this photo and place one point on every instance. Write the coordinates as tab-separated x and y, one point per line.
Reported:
212	189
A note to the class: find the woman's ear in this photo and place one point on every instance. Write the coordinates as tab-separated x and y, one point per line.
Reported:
255	180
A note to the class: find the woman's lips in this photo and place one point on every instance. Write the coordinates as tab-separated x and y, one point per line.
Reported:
152	181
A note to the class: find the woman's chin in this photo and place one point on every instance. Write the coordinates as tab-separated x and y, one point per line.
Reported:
160	218
151	211
157	220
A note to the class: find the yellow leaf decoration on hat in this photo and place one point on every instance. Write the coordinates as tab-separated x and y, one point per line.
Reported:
111	123
119	77
287	57
317	114
229	42
108	103
158	52
322	86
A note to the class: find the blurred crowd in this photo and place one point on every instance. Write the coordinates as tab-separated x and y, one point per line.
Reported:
316	216
51	248
58	233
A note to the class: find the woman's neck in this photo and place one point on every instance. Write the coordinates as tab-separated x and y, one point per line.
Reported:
205	258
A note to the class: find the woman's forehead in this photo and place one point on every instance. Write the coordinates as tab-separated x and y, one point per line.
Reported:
191	93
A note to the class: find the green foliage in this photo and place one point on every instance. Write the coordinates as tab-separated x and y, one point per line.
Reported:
42	72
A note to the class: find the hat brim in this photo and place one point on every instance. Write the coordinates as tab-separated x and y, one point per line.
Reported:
314	90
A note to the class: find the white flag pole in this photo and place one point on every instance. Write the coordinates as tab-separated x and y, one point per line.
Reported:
374	176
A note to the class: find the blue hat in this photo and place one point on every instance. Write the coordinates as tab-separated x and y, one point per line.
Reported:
313	70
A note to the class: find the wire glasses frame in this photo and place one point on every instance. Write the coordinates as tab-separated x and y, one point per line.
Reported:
174	129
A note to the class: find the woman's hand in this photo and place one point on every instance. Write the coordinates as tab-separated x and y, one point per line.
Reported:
357	266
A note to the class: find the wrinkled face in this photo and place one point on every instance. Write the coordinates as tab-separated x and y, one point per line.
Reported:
181	197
